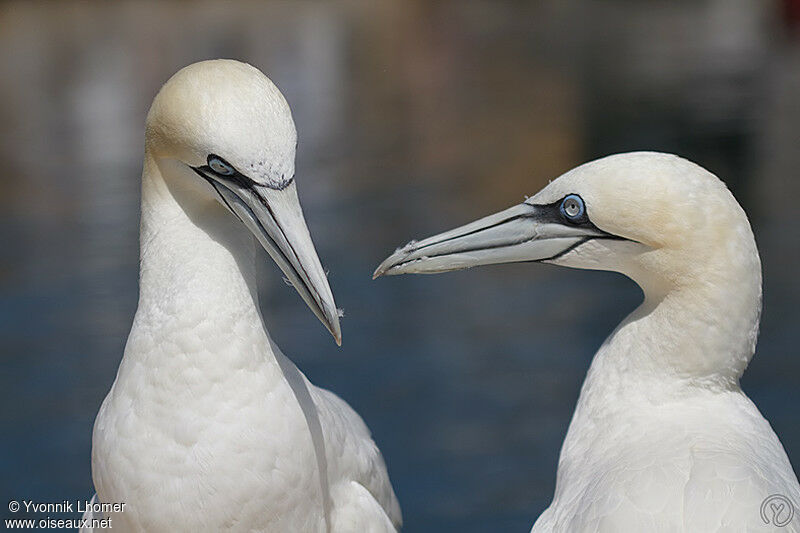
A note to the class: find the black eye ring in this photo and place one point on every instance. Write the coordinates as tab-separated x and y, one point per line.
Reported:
573	209
220	166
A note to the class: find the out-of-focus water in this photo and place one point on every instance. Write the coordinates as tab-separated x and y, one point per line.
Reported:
413	117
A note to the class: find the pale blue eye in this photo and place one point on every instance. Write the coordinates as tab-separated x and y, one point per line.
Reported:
572	208
220	166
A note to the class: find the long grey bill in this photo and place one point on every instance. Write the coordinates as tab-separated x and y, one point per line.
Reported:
525	232
276	219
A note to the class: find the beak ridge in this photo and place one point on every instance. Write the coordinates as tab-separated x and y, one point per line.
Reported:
276	219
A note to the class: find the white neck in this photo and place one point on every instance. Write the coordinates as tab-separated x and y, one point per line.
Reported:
189	241
197	270
702	327
678	346
199	365
696	336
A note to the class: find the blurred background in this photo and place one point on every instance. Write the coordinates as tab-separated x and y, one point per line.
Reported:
413	117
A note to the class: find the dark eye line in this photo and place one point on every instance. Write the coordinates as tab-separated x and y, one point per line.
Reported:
551	214
236	177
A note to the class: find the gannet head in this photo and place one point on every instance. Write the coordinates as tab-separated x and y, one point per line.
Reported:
663	221
230	126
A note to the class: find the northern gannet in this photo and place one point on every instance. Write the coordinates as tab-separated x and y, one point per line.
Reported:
208	426
662	437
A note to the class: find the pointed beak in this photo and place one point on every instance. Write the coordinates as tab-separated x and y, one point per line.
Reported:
525	232
275	218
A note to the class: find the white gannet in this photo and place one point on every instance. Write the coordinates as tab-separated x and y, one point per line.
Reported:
662	438
208	426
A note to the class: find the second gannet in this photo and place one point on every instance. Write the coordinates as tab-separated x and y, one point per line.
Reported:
663	438
208	426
